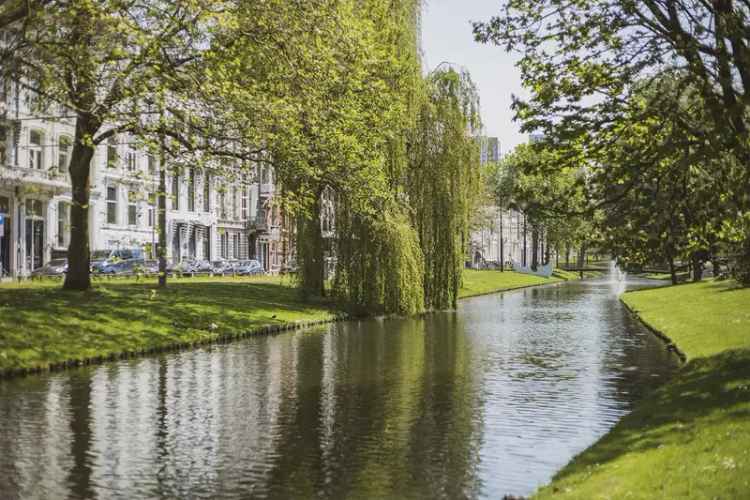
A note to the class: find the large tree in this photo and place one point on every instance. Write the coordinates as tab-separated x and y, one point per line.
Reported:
102	60
585	62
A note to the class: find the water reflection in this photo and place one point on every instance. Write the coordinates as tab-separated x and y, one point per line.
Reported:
489	400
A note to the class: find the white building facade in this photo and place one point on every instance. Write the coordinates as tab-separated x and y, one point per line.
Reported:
502	233
208	217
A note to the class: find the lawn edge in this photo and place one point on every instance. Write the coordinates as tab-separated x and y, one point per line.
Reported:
262	330
510	289
268	329
553	281
670	344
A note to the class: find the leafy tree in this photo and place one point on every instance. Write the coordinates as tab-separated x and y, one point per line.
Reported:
101	61
585	63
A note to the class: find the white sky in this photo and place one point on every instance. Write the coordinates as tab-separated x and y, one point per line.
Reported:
447	36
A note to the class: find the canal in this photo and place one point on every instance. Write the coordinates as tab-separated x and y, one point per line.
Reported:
488	400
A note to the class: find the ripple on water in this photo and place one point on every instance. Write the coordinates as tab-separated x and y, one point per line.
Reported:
490	400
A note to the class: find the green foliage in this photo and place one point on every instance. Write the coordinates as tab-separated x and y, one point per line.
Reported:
443	180
648	97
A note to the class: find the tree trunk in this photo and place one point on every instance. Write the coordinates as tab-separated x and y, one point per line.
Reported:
502	243
697	267
567	255
78	276
310	251
162	197
534	248
547	251
672	270
525	260
581	259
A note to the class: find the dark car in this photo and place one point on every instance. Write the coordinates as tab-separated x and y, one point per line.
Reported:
130	266
103	258
248	268
55	267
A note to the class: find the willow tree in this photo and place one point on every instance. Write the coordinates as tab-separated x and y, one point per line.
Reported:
442	179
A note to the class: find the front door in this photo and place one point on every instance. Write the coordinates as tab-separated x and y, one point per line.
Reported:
5	247
34	244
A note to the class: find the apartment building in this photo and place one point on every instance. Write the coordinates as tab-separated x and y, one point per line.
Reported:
501	232
209	216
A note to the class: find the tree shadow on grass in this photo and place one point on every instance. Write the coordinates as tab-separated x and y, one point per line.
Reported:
708	392
117	317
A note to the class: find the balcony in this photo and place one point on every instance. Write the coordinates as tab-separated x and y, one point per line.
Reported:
30	176
258	224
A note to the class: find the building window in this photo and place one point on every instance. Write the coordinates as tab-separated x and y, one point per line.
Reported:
151	164
235	204
34	208
63	152
3	145
223	203
63	224
207	192
151	209
176	191
245	214
111	205
236	245
224	245
132	161
36	153
132	209
207	244
112	156
191	191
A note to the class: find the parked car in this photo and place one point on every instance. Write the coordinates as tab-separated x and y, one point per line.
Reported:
222	266
55	267
248	268
103	258
151	266
197	266
129	266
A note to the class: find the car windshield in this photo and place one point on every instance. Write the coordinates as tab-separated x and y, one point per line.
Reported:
100	254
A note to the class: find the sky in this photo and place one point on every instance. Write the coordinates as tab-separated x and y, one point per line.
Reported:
447	36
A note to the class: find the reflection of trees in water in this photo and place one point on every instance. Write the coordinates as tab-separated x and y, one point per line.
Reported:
381	409
79	477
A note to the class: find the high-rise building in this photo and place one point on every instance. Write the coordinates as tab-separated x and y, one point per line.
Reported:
490	149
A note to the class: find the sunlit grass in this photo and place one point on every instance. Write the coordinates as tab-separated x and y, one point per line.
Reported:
691	437
40	324
482	282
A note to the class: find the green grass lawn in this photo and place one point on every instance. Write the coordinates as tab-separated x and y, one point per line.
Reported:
41	325
483	282
691	437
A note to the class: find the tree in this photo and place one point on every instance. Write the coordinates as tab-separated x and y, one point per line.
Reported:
585	61
101	61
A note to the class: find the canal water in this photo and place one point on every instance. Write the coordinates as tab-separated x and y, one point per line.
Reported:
488	400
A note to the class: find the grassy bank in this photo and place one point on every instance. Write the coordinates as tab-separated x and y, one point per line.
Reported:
40	325
484	282
691	437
